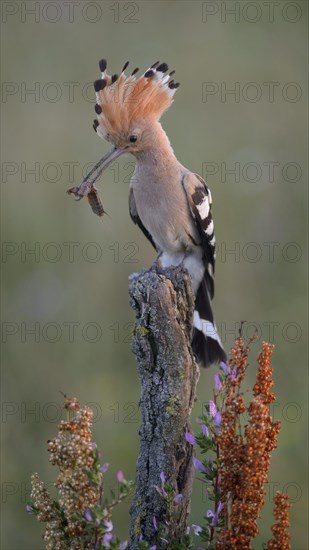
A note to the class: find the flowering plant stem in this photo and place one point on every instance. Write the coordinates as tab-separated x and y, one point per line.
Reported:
242	437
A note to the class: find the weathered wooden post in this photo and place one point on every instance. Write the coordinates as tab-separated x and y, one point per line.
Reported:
163	301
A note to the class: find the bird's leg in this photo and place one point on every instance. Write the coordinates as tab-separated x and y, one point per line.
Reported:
182	263
155	264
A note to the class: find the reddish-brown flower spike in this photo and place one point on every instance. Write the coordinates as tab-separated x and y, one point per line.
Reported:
281	512
71	404
245	453
72	451
264	382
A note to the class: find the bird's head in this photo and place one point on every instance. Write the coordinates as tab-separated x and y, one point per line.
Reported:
129	109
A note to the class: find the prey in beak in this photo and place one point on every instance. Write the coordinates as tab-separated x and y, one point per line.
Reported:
87	184
95	202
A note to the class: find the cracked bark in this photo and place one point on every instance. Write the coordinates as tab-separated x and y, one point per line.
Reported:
164	302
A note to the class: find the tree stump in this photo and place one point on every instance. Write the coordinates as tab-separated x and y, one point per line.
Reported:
164	302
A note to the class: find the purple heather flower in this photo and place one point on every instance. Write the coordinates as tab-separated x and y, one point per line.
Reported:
209	514
205	430
225	367
178	498
88	515
216	514
198	420
217	418
106	540
29	509
97	521
212	408
233	374
154	521
218	383
188	530
190	438
196	529
120	476
108	525
104	467
162	477
220	506
198	465
153	547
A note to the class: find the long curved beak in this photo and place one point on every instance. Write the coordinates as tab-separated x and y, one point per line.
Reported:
84	188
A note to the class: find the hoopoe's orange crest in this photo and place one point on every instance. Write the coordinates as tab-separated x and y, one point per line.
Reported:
122	101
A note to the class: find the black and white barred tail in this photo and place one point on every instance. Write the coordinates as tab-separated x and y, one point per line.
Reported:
206	343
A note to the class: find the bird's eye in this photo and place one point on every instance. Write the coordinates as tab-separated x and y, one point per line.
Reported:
133	138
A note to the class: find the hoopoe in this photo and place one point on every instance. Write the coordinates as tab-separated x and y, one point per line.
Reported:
169	203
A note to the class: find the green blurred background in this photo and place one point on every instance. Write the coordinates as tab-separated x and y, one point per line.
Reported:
75	294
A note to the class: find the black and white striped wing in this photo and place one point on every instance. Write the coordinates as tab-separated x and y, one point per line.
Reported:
200	202
206	342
